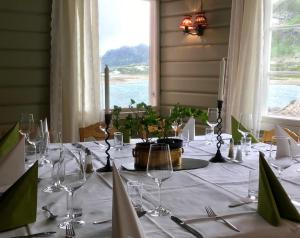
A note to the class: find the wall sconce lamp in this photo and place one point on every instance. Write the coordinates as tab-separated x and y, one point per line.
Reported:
196	28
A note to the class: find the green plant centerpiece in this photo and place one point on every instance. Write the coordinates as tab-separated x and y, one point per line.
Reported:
143	122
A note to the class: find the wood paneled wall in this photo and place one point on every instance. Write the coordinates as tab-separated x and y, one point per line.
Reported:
24	59
190	64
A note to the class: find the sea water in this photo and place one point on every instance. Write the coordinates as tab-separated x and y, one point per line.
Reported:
279	95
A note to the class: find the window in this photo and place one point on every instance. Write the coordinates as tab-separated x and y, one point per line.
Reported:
284	59
125	45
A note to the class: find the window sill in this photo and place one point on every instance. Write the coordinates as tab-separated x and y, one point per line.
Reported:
268	122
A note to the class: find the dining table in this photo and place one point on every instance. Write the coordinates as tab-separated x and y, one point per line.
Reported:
185	194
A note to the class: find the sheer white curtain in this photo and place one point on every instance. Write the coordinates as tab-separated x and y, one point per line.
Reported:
75	74
245	85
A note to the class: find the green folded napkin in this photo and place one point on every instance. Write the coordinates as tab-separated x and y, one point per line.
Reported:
9	140
236	135
273	201
19	202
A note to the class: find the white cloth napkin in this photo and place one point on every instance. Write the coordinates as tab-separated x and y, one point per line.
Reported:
12	165
125	222
282	149
188	130
45	126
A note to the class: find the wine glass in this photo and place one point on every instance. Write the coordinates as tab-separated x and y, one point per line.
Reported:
159	168
57	173
280	156
245	125
75	178
176	125
212	120
27	129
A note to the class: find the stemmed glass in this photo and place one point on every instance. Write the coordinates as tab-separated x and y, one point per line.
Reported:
75	178
56	161
26	129
246	121
159	168
280	156
176	125
212	120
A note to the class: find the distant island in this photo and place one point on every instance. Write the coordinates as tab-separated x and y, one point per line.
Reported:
126	55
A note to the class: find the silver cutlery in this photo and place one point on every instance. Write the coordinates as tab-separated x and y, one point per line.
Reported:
40	234
51	215
70	233
186	226
211	213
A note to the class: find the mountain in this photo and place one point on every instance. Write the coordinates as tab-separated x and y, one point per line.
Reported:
126	56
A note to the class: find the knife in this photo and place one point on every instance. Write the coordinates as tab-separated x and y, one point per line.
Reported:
41	234
185	226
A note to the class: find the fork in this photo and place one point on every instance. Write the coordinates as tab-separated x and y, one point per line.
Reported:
70	233
211	213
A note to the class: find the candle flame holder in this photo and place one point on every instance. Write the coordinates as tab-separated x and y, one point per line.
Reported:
107	167
218	158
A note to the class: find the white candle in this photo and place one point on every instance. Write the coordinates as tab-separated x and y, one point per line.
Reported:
222	79
106	88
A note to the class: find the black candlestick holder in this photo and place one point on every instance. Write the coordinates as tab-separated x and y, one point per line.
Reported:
218	158
107	167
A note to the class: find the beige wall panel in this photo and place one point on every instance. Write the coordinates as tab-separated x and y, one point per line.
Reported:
39	59
192	99
211	36
194	53
24	40
216	18
24	22
190	69
32	6
24	77
24	95
190	84
12	114
181	8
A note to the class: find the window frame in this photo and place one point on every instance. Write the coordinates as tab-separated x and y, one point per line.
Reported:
269	119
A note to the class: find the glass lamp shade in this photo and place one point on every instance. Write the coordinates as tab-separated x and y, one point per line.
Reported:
200	21
186	23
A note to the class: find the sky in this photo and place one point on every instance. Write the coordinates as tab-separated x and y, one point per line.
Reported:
123	23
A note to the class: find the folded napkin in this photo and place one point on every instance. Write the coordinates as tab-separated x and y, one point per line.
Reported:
125	222
188	130
18	203
295	148
9	140
12	162
273	201
236	135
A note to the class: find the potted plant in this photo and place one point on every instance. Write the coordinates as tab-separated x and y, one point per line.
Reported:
143	122
178	114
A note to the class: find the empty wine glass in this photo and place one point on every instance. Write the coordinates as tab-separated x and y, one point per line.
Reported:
57	173
212	120
176	125
26	129
159	168
245	125
280	156
74	179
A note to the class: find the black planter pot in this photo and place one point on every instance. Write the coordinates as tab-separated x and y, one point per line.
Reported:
174	143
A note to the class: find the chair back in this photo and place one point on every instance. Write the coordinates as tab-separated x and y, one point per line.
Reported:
93	132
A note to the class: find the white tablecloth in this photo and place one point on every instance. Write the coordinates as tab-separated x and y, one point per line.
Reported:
185	194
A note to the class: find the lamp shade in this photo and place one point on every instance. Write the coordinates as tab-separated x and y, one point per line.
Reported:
186	23
200	21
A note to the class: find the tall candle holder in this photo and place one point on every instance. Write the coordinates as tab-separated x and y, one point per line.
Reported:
218	158
107	167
